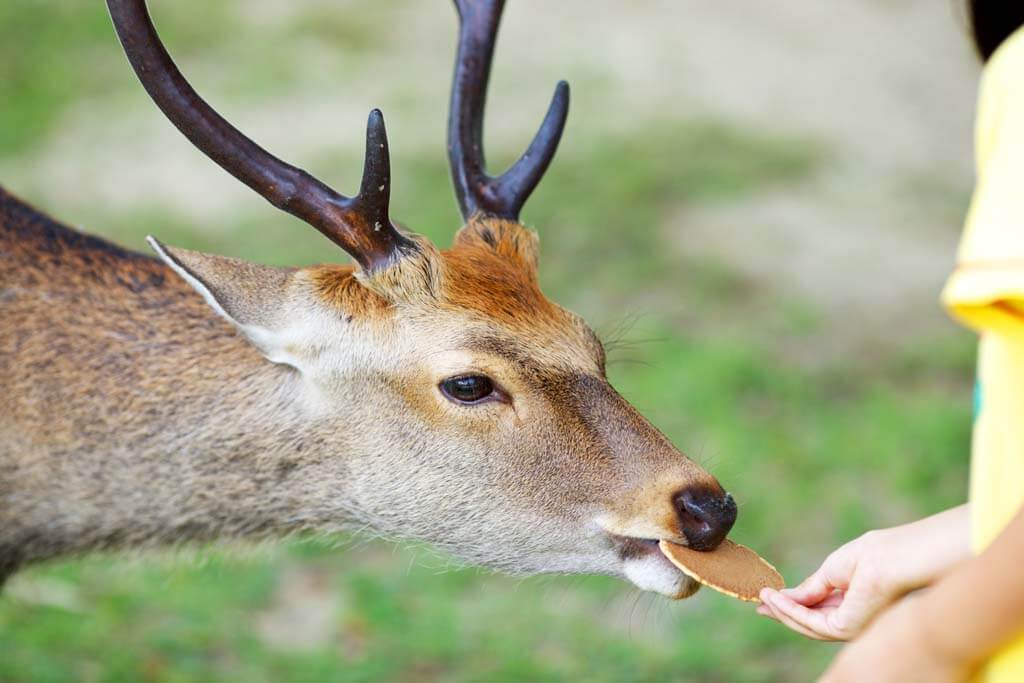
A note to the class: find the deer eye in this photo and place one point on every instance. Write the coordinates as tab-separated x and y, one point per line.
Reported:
467	388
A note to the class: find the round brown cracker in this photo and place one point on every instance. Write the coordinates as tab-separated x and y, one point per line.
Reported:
730	568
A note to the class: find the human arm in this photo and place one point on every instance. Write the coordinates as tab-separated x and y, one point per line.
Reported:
867	574
950	629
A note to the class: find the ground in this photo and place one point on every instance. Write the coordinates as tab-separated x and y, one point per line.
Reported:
758	202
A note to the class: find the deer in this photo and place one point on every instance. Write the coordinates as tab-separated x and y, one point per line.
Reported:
420	393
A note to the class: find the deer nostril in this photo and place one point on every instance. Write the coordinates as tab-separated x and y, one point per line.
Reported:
705	515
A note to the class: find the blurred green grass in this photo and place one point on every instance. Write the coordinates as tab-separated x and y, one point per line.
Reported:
816	452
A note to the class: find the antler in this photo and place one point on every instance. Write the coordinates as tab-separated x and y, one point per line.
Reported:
360	225
476	191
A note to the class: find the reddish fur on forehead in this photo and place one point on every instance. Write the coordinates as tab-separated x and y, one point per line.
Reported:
505	238
492	269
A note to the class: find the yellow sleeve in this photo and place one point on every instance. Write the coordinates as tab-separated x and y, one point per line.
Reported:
986	290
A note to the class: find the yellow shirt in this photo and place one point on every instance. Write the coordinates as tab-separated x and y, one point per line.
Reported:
986	292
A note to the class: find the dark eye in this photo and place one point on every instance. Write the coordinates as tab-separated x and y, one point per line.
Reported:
467	388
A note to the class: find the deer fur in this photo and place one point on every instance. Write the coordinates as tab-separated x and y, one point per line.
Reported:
147	402
194	397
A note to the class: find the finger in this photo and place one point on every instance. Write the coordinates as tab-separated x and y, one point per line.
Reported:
765	611
813	589
834	573
858	608
794	626
810	619
834	599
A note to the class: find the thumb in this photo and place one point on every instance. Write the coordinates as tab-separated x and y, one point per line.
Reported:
811	590
834	573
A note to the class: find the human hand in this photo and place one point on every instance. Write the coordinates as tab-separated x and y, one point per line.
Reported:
838	600
867	574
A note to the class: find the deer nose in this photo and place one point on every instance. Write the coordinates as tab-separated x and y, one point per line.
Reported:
705	515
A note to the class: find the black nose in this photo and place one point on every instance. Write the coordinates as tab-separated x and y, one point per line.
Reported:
705	515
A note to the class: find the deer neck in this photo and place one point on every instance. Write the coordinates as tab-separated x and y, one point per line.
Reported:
133	416
239	455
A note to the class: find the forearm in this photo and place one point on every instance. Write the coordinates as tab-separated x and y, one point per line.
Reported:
929	548
980	605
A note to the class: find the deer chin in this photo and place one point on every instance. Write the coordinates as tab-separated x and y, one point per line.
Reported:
648	569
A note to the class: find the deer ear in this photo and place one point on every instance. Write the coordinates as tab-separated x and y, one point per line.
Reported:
250	296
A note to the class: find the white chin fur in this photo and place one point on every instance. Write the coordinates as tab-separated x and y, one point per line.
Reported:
652	574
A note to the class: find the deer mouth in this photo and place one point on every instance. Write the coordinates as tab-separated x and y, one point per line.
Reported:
633	548
648	569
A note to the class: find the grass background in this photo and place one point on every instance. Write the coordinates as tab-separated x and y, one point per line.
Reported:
830	400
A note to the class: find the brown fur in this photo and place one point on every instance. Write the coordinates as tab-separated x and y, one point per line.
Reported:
132	415
339	288
93	338
492	270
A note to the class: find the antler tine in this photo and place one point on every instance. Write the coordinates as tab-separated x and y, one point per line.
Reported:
360	225
476	191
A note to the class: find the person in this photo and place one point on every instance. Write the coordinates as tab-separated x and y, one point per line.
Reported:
968	623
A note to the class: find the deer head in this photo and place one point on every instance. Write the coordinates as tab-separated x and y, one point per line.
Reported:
466	408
